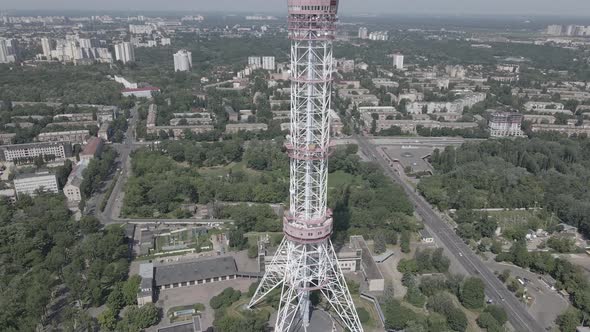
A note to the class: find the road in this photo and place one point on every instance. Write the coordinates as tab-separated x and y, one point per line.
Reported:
112	209
517	312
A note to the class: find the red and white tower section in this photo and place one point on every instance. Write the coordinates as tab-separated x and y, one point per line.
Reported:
305	260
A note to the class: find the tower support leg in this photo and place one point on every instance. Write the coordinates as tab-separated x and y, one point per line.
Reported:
307	268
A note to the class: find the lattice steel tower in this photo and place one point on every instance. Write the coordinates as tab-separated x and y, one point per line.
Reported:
305	260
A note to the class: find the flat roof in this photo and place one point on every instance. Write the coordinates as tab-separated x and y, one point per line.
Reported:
146	270
199	270
184	327
33	175
92	146
32	145
368	263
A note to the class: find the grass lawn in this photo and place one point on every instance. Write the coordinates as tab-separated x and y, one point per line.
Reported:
374	322
339	178
507	219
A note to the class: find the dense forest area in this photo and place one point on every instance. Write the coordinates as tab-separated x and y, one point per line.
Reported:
162	181
422	51
546	171
371	206
550	172
53	266
59	83
186	172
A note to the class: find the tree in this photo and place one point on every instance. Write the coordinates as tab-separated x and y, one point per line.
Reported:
130	288
504	275
498	313
487	321
140	318
437	322
397	316
408	279
379	243
108	319
116	300
430	285
496	247
456	319
89	224
569	320
415	297
472	293
519	254
405	241
237	239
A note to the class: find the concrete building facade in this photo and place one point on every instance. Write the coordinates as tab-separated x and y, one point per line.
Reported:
15	152
504	124
76	136
268	63
183	60
124	52
398	61
72	188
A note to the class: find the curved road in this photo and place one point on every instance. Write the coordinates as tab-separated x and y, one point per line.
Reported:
495	290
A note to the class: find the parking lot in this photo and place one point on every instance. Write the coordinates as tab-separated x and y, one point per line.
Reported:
196	294
547	303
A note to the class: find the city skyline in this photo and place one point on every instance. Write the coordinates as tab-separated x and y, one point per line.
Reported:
451	7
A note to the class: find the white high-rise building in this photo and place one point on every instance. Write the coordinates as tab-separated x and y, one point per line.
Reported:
554	30
398	61
124	52
3	50
255	61
46	45
85	42
183	60
268	63
363	33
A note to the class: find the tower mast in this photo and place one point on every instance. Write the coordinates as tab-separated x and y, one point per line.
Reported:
305	260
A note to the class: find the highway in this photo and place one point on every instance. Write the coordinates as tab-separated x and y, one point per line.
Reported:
495	290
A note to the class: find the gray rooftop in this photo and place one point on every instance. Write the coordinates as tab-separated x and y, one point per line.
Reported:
33	145
146	270
184	327
33	175
199	270
146	283
370	268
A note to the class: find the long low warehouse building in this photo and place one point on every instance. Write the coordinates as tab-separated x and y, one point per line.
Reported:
198	272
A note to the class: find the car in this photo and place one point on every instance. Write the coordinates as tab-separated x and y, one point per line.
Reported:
489	301
502	298
461	254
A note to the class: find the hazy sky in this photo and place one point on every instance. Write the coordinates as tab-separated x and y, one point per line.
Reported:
519	7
